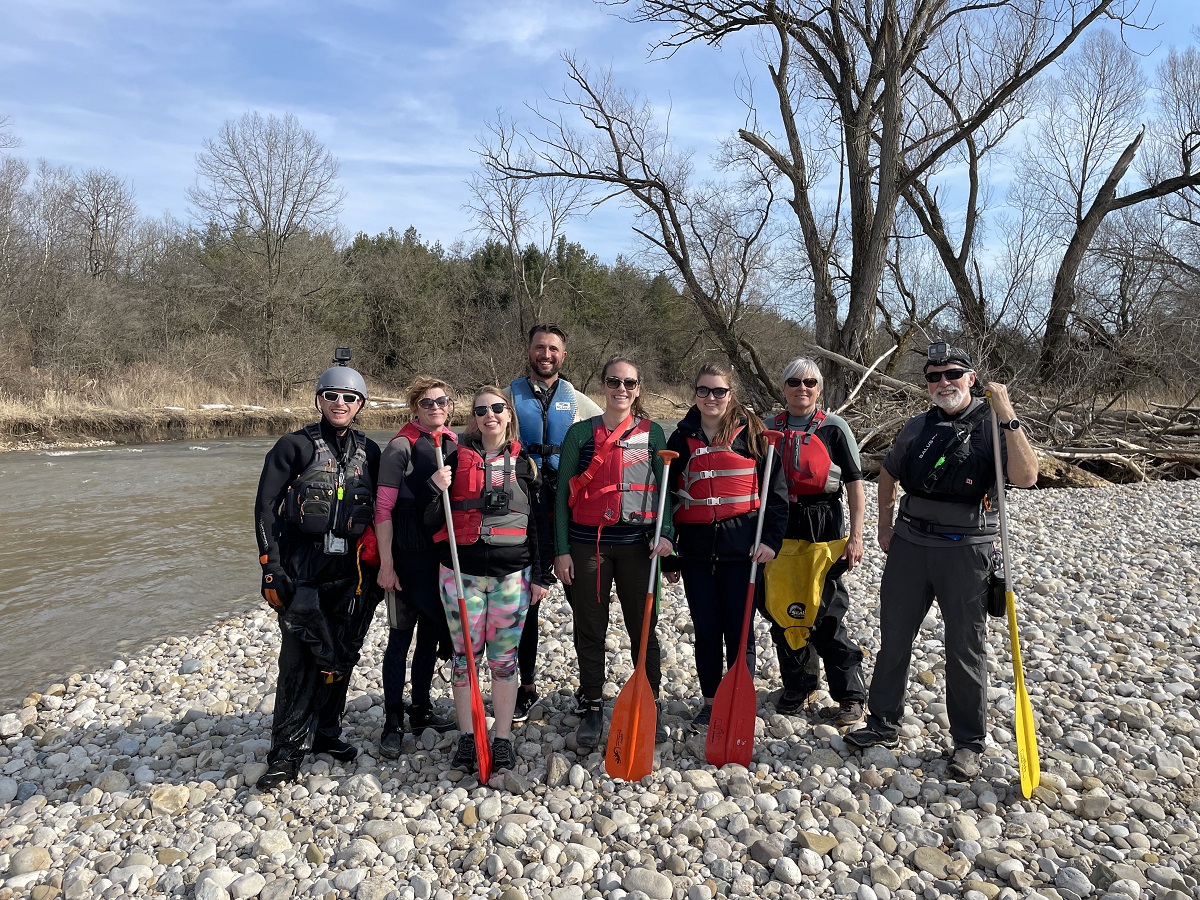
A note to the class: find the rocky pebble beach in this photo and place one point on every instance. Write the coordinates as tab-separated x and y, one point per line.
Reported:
134	781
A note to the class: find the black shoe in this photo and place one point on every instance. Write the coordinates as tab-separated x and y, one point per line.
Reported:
335	747
660	729
527	699
465	757
392	739
422	717
503	756
791	702
701	719
845	714
581	703
587	735
277	773
871	736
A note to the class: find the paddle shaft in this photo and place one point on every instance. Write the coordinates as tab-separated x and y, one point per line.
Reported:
478	715
1027	752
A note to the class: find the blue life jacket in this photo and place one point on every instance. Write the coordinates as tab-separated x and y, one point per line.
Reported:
543	430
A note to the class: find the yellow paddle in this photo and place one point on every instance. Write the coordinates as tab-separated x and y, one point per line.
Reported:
1027	749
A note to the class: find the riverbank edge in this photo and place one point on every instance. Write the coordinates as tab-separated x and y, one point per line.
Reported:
101	425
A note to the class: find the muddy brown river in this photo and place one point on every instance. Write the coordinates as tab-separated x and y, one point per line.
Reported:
106	551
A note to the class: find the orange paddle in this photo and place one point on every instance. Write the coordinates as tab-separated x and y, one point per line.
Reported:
735	707
630	753
483	750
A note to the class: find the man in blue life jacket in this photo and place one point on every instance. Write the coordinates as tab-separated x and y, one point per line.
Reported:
316	497
940	546
546	405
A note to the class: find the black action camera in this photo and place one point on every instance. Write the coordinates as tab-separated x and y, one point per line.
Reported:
495	503
341	355
939	353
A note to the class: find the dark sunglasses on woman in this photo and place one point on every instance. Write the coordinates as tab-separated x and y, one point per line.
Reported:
796	382
497	408
431	402
703	390
613	382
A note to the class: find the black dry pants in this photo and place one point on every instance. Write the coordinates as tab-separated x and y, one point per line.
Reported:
828	642
419	603
716	596
527	650
323	628
628	566
957	575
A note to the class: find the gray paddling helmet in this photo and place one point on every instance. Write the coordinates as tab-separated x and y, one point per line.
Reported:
342	378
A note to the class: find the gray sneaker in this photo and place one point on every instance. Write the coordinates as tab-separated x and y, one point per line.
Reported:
845	714
965	764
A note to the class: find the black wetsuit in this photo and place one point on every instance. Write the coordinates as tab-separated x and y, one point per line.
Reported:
323	627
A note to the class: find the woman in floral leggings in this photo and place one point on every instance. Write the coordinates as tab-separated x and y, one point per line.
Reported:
493	484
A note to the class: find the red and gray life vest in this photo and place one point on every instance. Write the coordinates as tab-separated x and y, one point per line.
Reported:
717	483
332	495
618	486
807	466
487	501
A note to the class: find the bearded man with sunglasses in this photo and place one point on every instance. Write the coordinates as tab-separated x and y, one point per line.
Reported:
316	498
940	547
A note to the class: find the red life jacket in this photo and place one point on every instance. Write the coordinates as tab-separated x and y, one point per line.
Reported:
618	485
717	483
487	501
806	462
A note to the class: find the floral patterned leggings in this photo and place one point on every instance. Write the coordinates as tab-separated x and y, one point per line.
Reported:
496	608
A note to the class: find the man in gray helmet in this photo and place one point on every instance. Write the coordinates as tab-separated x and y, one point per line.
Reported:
316	497
939	546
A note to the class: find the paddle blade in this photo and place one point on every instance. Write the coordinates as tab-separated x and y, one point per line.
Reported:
630	753
483	749
734	710
1027	749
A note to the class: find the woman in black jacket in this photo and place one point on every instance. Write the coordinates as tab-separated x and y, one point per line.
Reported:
493	485
717	480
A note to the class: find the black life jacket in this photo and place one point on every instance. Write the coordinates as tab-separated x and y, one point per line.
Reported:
333	495
940	463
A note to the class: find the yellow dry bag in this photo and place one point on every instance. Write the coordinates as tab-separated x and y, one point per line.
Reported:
795	581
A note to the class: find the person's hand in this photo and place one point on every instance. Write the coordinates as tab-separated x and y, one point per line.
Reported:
536	593
277	588
885	537
1000	401
441	478
763	554
662	548
564	568
387	579
853	553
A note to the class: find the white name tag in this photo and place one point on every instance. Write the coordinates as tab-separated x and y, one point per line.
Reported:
562	404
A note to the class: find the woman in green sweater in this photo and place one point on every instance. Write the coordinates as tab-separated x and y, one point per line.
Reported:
606	505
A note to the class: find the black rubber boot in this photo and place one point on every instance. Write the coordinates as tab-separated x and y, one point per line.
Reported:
335	747
277	773
392	738
421	717
587	736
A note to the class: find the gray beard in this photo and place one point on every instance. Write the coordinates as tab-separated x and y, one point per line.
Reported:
949	403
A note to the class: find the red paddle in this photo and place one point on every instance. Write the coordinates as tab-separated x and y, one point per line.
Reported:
630	753
735	707
483	750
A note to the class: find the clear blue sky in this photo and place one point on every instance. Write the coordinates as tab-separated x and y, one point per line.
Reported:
398	91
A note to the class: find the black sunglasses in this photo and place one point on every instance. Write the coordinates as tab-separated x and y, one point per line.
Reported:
497	408
796	382
430	402
949	375
703	390
334	396
612	381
